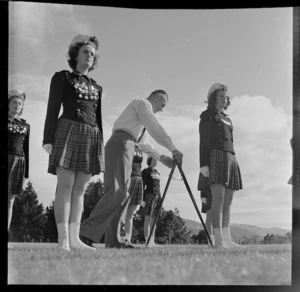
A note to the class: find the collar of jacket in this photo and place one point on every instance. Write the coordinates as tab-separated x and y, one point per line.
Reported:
80	74
12	119
218	112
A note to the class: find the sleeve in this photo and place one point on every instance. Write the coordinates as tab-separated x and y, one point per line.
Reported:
53	108
204	129
231	131
26	151
148	119
99	111
148	148
144	178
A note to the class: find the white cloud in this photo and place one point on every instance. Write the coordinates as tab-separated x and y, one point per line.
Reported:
261	134
33	30
265	162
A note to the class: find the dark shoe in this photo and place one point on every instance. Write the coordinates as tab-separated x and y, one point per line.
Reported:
86	240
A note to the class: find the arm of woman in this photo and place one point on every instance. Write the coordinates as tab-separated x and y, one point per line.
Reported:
99	110
53	108
204	132
26	151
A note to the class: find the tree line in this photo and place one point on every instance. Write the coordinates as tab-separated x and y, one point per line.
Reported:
32	222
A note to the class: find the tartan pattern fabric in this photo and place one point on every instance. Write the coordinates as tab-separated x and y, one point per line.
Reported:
136	190
77	147
16	172
224	169
151	204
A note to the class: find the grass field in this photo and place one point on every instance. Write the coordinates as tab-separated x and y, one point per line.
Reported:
41	263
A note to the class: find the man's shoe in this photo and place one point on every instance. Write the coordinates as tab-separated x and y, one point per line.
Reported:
86	240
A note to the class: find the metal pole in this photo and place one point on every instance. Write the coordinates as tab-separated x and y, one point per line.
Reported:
194	202
160	205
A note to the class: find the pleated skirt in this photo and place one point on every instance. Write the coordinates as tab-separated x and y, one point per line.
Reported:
136	190
16	172
77	147
223	169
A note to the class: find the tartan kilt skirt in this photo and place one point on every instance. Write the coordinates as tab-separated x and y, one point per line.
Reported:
152	203
16	173
136	190
77	147
223	169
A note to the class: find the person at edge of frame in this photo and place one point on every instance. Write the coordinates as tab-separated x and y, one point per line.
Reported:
18	149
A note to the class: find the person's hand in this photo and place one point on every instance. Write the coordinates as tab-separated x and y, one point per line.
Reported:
48	148
167	161
203	200
205	171
143	204
177	155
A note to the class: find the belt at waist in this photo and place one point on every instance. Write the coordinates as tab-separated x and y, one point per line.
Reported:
123	133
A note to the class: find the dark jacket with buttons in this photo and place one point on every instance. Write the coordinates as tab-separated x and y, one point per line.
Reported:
215	130
151	181
18	140
81	100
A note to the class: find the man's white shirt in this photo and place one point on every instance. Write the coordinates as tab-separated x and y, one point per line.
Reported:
137	115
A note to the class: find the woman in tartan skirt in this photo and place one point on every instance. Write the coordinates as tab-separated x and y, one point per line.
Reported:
135	191
75	139
219	168
18	148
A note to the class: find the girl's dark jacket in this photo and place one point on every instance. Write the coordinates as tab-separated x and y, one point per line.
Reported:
18	140
215	129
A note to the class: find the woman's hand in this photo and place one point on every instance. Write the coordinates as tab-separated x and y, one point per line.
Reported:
204	170
48	148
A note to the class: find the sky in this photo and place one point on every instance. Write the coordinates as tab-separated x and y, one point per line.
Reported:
182	52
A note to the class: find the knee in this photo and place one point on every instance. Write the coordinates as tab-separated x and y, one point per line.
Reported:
78	190
64	188
11	199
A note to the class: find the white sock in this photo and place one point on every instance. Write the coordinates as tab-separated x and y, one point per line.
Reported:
63	236
227	238
128	237
219	241
75	242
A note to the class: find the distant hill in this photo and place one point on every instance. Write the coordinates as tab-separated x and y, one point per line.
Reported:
238	230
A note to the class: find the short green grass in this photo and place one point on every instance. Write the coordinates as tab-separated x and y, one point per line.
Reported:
41	263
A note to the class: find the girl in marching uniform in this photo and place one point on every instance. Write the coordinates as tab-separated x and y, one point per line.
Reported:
219	168
75	139
18	148
151	181
136	192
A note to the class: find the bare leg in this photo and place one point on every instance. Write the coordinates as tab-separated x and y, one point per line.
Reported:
147	226
62	202
226	218
128	221
80	184
208	225
11	200
218	194
151	242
